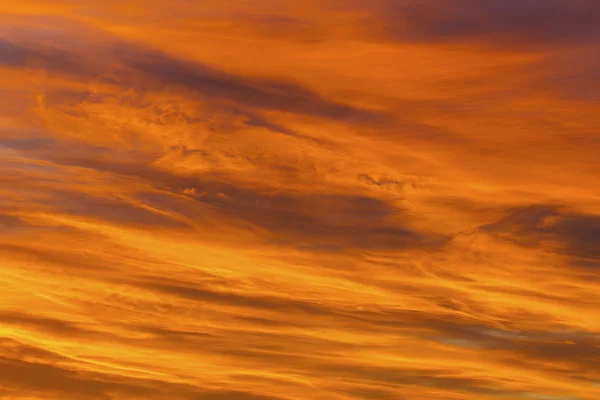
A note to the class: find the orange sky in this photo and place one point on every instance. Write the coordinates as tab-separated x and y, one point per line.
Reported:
300	199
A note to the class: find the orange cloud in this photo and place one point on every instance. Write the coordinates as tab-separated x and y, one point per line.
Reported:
299	200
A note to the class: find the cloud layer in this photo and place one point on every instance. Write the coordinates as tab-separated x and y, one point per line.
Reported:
292	200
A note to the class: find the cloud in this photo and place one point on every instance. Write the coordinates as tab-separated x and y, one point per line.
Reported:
204	200
164	69
320	219
519	23
251	92
317	220
569	233
56	259
46	373
45	323
45	379
47	58
112	210
199	293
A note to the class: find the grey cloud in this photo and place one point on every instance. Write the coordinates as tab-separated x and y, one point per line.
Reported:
9	221
160	67
319	221
518	22
49	58
250	92
12	55
575	234
324	221
109	209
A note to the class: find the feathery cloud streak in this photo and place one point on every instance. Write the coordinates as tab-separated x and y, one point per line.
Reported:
299	200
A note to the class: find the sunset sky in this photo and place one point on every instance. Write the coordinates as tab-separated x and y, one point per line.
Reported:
300	199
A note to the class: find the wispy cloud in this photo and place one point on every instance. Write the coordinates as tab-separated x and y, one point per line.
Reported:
299	200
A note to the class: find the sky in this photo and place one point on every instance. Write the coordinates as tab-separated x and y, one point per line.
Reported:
300	199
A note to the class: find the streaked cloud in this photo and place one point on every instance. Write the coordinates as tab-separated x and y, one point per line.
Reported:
299	200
